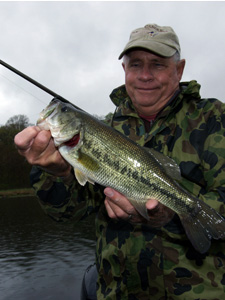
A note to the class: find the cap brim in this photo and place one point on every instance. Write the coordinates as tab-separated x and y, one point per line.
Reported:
155	47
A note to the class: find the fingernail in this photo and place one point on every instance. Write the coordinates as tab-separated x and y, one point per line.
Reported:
108	192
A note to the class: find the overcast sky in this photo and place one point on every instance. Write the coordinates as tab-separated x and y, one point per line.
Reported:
73	48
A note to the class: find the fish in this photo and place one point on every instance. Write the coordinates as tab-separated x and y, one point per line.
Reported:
100	154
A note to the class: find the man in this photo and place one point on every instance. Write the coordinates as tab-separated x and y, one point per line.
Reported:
137	259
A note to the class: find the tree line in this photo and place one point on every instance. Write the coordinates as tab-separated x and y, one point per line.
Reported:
14	169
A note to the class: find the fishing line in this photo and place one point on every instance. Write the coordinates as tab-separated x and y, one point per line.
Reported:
13	83
34	82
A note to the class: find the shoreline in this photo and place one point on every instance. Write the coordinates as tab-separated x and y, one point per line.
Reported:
17	193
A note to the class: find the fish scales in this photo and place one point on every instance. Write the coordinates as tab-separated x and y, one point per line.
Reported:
107	157
128	161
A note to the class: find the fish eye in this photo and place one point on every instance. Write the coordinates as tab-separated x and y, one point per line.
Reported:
64	109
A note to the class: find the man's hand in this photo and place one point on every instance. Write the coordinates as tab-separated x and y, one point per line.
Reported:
38	148
119	207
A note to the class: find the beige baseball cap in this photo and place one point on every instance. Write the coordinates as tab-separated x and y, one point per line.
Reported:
161	40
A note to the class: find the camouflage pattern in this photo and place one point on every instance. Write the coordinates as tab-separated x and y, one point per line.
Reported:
135	261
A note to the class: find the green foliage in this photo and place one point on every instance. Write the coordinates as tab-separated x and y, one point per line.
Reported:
106	119
14	168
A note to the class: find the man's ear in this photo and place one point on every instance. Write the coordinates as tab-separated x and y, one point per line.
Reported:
123	65
180	68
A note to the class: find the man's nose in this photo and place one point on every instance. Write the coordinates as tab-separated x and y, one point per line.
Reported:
146	74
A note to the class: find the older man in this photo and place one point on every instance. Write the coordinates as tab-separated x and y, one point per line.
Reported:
137	259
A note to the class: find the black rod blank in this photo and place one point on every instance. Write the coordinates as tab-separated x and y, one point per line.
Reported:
31	80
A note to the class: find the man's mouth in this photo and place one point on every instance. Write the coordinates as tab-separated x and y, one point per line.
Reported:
146	89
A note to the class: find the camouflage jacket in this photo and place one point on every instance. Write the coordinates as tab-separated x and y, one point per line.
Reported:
135	261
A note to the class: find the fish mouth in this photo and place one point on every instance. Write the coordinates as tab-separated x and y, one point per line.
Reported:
72	142
51	108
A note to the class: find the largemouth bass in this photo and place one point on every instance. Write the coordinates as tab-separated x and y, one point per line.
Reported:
100	154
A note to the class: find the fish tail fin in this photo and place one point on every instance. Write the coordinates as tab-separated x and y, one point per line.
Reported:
202	225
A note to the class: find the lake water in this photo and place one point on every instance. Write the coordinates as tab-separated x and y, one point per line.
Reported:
39	258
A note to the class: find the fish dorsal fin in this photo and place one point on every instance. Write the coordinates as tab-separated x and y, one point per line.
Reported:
82	178
168	164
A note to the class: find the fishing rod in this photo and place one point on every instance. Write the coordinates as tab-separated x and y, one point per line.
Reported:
39	85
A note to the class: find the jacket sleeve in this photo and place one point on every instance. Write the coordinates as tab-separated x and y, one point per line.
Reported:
213	164
64	199
204	174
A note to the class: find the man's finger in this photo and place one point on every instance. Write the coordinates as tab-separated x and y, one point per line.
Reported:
24	139
42	142
151	204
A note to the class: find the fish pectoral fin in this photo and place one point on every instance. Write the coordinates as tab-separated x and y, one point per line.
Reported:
82	178
168	164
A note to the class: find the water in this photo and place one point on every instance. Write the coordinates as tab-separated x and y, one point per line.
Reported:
39	258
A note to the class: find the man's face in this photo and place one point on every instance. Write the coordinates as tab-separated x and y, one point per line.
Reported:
151	80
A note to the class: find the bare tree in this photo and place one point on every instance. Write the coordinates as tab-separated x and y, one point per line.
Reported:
19	122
